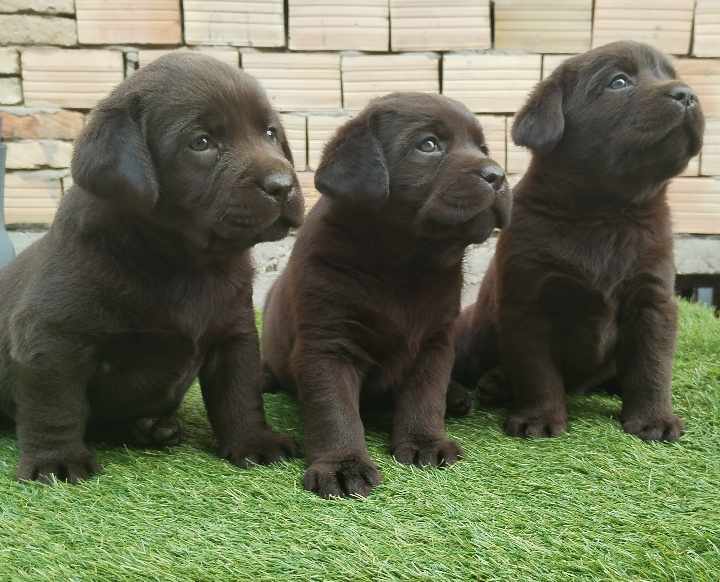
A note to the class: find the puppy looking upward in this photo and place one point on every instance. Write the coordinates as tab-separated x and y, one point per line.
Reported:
144	281
365	307
580	291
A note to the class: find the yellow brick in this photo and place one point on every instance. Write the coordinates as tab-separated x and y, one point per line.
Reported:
695	204
297	81
490	83
258	23
128	21
553	26
367	76
666	24
70	78
323	25
422	25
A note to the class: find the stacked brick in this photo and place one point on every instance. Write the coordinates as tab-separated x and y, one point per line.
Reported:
324	60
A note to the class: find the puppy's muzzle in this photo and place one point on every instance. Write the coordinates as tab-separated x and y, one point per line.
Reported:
683	96
493	175
278	185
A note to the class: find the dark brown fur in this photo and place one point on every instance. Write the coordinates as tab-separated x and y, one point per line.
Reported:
144	280
580	292
364	310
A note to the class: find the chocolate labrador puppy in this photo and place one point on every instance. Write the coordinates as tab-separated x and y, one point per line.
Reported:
144	280
580	291
365	307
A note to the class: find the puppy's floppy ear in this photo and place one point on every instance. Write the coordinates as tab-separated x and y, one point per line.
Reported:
353	165
540	124
111	159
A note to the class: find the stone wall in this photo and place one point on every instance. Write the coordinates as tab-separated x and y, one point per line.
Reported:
321	61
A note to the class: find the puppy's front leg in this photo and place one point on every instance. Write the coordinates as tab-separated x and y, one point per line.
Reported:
230	384
338	459
51	416
538	392
419	420
645	355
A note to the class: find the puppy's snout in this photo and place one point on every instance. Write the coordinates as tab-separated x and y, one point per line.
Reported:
278	185
683	95
492	174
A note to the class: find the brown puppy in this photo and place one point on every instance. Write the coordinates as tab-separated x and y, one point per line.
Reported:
144	280
580	292
365	307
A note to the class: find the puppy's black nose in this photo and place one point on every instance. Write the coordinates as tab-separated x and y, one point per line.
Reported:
492	174
684	95
278	184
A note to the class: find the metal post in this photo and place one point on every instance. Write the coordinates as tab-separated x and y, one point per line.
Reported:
7	251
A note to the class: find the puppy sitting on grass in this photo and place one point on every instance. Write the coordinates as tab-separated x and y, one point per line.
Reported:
365	307
580	291
144	280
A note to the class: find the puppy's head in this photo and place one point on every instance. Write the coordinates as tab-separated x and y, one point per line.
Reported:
618	111
421	162
191	144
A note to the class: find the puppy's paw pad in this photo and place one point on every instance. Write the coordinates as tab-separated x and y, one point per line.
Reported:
165	431
47	467
459	400
264	448
428	453
664	428
535	425
344	478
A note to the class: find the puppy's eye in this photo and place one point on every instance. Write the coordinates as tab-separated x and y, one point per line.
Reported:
484	149
271	134
200	143
429	145
619	82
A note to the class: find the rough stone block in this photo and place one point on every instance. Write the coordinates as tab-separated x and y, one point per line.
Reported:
30	123
38	154
10	91
42	6
9	61
35	29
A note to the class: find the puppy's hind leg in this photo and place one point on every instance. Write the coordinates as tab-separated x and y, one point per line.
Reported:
151	432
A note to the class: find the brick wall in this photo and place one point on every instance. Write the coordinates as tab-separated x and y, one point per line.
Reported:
321	61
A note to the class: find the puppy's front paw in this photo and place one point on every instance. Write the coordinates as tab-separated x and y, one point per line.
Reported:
263	448
536	424
459	400
165	431
654	428
428	452
343	478
45	466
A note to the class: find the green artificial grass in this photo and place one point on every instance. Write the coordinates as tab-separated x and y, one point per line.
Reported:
593	504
